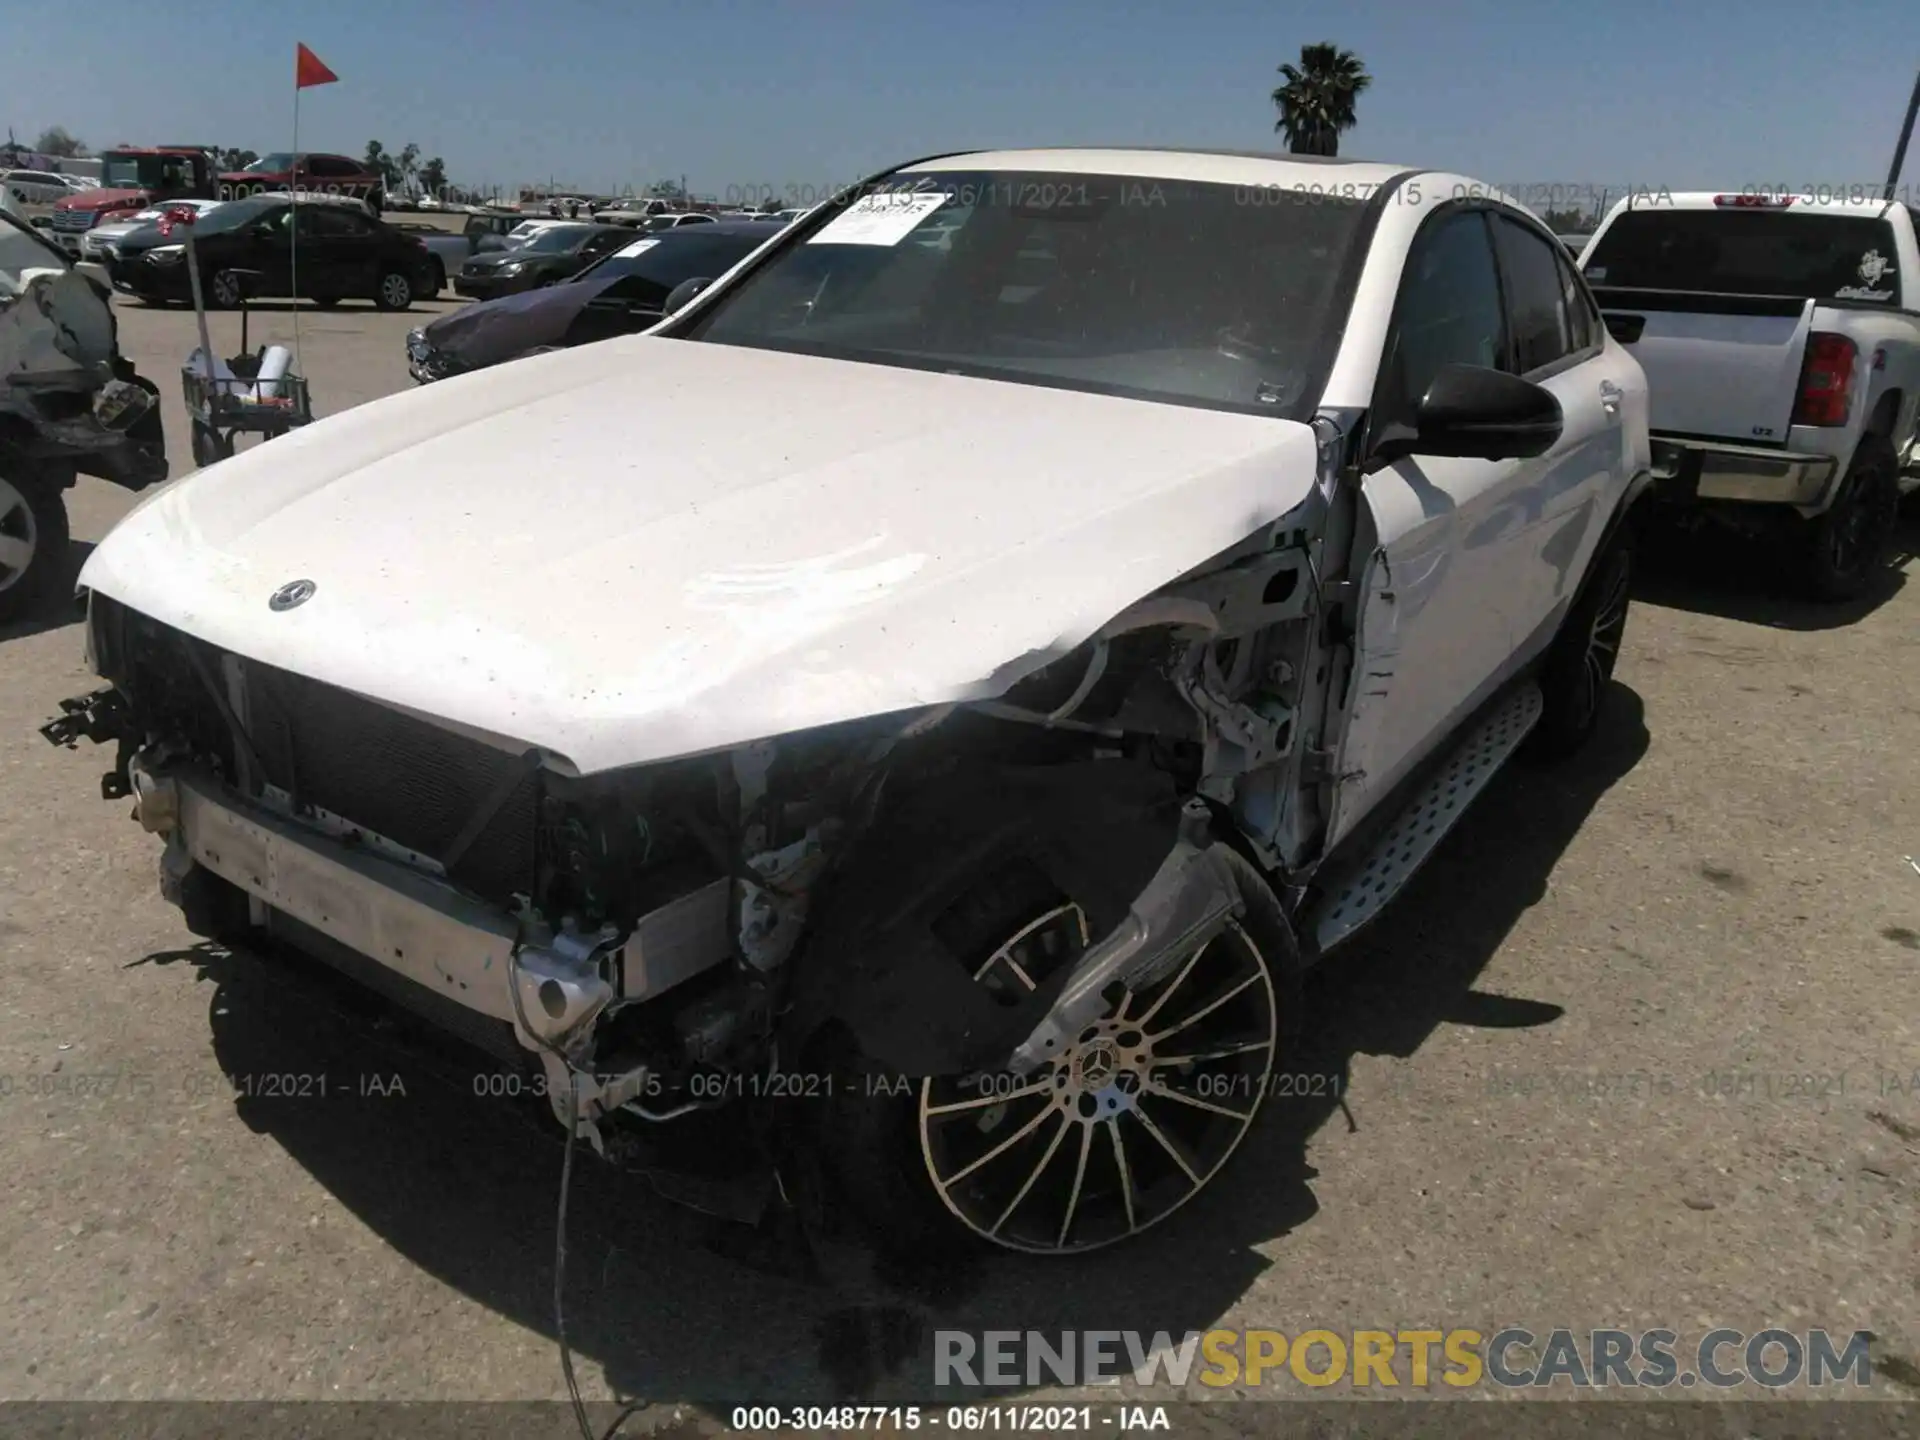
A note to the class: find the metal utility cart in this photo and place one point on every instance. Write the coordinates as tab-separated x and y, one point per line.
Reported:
251	393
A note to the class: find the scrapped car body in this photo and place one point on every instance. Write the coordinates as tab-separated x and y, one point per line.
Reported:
951	692
70	404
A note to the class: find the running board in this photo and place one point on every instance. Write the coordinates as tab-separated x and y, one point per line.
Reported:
1414	834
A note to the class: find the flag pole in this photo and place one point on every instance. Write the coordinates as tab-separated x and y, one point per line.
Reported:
293	228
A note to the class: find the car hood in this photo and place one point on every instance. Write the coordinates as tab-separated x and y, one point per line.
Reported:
494	330
90	200
648	548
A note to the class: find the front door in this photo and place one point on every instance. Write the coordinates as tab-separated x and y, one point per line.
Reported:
1439	614
1558	343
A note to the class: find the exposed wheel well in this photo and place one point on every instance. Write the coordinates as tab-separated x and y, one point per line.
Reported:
1886	413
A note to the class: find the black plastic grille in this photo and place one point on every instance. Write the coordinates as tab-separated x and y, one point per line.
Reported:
402	778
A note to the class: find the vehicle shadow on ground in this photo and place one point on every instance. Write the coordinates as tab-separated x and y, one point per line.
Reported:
1710	573
57	607
661	1298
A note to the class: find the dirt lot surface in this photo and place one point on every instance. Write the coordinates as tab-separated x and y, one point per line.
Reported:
1639	1049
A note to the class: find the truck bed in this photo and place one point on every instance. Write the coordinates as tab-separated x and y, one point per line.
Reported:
1720	367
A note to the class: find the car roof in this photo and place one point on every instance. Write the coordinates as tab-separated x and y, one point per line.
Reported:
1230	167
1802	203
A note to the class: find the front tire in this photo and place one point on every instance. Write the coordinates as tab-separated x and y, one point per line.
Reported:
394	292
1844	547
1579	667
1136	1117
33	542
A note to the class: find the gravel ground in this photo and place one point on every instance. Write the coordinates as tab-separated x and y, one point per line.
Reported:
1638	1048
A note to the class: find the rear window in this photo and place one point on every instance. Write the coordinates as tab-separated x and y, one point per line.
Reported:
1749	252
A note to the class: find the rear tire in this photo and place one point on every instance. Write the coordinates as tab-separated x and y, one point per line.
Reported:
1844	547
33	542
1579	666
394	292
1062	1162
225	290
208	446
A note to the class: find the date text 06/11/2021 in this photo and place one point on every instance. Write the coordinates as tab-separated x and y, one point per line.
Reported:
1008	1419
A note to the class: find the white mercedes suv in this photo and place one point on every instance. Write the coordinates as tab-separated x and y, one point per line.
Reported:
938	697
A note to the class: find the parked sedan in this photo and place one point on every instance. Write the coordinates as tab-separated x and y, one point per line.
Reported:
103	241
621	295
673	220
547	257
978	680
250	247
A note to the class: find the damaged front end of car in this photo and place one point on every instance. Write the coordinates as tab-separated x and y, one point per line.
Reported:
657	942
69	401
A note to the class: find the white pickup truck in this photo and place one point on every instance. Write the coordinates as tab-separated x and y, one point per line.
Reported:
1780	335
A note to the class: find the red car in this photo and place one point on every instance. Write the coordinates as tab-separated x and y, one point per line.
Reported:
334	174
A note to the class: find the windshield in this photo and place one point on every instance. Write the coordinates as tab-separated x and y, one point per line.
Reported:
271	164
1749	252
1161	289
233	214
145	172
557	239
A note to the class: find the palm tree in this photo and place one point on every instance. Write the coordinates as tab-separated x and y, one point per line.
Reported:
1316	103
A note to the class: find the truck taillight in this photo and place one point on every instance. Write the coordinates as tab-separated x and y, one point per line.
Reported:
1826	380
1753	202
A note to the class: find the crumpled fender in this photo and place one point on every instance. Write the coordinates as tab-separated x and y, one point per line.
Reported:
55	324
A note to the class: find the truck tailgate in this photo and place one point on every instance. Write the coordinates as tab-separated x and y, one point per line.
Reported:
1720	366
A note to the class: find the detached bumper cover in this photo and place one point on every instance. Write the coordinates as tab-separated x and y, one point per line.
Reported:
1709	470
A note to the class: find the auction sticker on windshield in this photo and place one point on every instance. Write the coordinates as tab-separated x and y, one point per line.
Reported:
638	247
883	219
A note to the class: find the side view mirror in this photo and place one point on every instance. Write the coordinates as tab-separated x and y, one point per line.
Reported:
681	294
1474	412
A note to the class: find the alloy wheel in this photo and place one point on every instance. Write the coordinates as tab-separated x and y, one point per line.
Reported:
1129	1122
19	536
226	289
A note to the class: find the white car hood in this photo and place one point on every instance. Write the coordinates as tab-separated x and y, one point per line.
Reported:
649	548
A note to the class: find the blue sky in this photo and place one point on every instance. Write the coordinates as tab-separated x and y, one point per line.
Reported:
811	93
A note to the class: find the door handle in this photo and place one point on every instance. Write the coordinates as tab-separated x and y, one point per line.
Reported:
1610	397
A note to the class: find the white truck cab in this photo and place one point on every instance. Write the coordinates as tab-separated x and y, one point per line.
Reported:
1781	339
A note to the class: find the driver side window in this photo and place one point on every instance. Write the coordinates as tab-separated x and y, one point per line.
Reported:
1449	308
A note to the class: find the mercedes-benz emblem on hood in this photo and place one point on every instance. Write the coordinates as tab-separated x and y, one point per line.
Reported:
294	592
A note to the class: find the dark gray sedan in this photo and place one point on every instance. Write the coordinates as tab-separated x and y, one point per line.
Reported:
556	253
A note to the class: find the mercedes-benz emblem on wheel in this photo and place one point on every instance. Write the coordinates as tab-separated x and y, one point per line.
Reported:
294	592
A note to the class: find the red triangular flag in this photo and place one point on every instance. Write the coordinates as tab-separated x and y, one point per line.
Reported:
308	69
